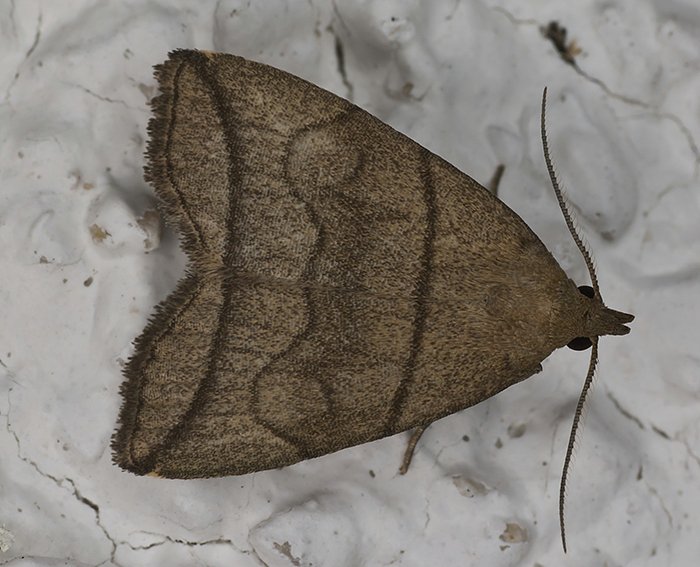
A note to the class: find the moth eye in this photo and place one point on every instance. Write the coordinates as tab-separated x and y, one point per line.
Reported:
580	343
587	291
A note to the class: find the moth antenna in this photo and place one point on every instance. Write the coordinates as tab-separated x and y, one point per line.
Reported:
572	436
562	201
594	340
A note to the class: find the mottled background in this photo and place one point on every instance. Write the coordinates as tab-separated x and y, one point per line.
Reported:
83	259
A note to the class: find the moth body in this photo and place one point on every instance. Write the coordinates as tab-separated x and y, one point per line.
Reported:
344	283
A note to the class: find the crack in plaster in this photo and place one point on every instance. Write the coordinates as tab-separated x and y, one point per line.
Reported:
178	541
626	99
99	96
78	495
32	48
61	484
623	411
658	497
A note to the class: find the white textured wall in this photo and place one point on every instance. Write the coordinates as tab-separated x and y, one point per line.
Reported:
82	263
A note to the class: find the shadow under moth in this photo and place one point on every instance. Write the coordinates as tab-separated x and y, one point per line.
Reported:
344	283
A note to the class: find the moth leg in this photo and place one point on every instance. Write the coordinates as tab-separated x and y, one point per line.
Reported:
496	180
411	447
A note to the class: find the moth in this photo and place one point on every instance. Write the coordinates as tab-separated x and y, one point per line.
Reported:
344	283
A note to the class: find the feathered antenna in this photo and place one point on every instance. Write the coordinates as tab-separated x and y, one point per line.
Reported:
594	341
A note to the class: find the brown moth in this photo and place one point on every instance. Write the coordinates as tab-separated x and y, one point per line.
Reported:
344	283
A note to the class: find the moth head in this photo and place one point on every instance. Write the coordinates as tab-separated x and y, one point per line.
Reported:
597	320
